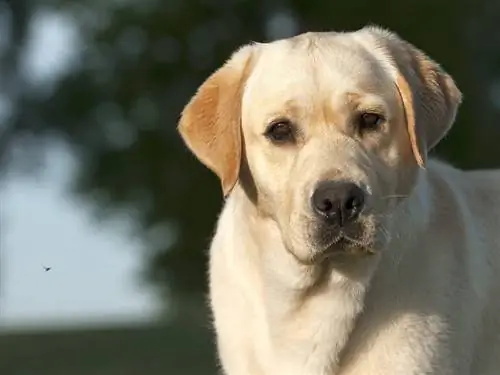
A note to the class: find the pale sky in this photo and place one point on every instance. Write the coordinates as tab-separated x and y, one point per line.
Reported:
95	267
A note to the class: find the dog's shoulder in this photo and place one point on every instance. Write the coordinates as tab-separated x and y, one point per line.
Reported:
481	187
485	180
482	190
468	200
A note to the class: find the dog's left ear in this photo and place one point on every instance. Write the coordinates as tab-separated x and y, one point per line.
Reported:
430	96
210	124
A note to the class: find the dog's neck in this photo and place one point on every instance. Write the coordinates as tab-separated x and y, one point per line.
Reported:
310	310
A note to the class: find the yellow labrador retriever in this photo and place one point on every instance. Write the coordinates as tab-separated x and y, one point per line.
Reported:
342	249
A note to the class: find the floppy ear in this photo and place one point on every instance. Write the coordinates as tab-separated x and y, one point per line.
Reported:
430	96
210	122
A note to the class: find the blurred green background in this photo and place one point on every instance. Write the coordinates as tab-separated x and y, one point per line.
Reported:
136	63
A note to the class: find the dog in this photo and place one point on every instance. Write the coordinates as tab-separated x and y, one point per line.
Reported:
342	248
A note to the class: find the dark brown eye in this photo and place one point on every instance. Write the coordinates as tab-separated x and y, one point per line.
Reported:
370	121
280	131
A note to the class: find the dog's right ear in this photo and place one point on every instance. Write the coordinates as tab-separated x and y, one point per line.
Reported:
210	124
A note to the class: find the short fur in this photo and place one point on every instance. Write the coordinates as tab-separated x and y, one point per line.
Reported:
414	288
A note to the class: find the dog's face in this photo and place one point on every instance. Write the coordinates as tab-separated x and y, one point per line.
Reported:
326	143
326	131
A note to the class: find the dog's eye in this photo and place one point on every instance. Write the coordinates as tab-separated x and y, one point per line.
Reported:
370	121
280	131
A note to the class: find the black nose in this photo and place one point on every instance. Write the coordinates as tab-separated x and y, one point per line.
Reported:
338	202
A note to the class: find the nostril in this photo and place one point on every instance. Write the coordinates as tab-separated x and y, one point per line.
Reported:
326	205
353	203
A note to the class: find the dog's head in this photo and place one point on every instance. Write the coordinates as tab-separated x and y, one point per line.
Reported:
326	132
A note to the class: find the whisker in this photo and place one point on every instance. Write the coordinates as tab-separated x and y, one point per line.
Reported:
384	215
395	196
385	233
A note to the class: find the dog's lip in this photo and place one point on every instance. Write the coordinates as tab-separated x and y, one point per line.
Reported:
342	242
337	243
342	247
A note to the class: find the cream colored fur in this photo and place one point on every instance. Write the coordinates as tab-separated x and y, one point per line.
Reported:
417	288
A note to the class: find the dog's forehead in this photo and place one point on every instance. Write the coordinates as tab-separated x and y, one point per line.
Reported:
333	63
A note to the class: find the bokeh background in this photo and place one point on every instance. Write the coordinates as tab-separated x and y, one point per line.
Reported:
96	184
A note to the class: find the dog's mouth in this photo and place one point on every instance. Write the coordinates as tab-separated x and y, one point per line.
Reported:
344	242
357	241
343	245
